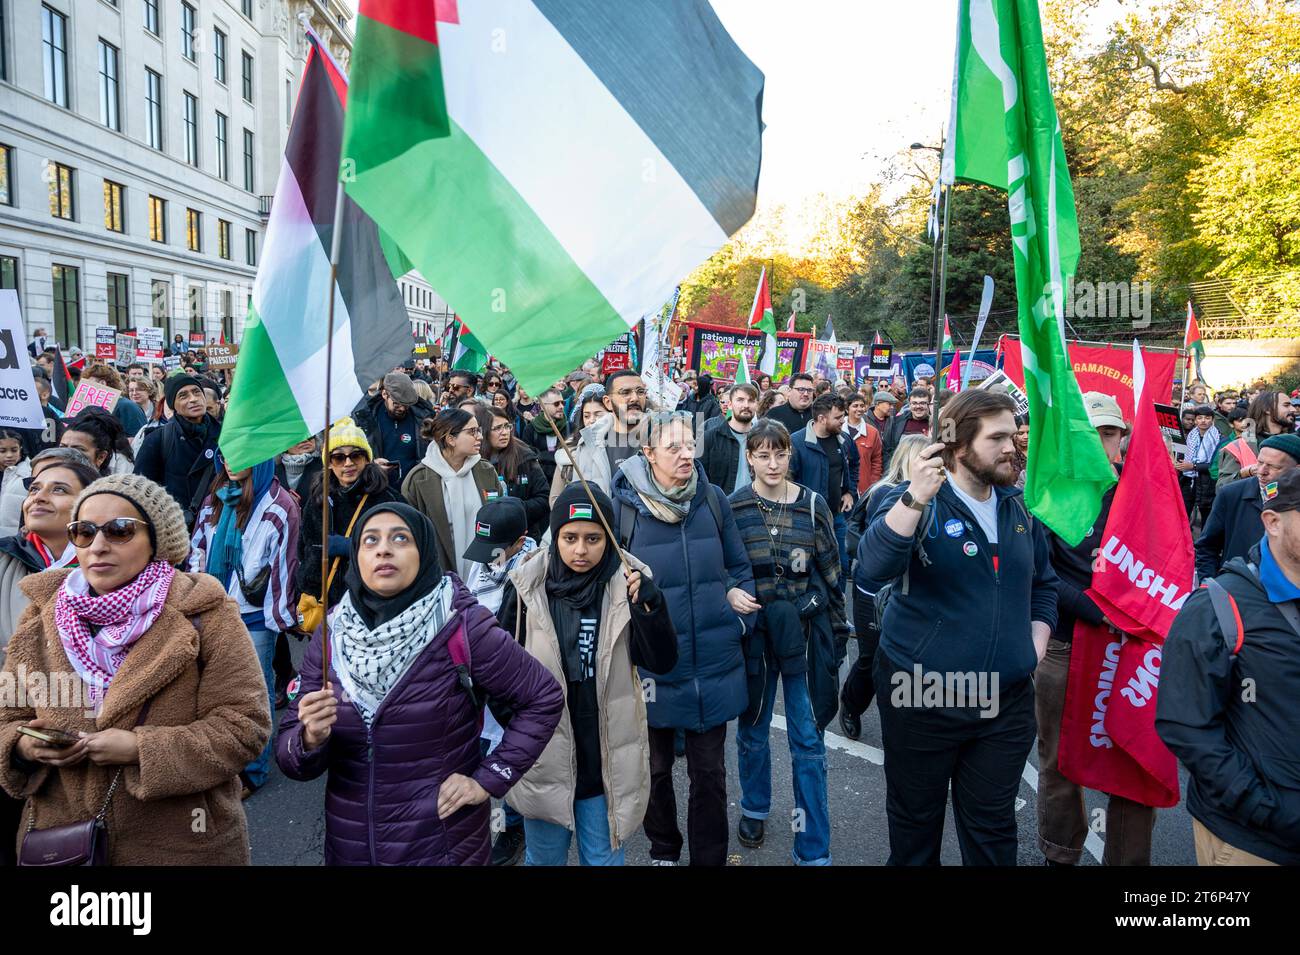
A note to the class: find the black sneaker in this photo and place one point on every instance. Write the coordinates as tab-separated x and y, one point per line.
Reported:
750	832
850	724
509	847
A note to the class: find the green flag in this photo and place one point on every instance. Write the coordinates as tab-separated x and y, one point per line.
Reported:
1004	132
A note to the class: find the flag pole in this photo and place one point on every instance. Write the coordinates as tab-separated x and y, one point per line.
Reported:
943	296
587	487
335	241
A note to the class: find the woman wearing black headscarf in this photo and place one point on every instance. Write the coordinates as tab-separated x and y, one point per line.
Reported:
410	649
591	626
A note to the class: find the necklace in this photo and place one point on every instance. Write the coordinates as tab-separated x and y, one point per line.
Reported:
777	531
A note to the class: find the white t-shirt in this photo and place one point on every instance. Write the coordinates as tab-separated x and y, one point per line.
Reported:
986	512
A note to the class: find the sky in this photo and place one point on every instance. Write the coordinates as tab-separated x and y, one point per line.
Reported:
848	84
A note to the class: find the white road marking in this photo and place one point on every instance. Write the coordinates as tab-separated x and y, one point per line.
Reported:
873	755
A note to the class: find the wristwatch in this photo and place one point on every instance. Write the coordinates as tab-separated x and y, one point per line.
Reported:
913	503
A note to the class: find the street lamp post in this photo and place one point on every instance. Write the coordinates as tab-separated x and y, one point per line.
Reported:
938	259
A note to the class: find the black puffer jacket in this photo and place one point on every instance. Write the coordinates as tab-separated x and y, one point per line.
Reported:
1232	720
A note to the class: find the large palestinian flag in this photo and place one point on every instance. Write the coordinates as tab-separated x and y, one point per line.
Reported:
279	389
595	153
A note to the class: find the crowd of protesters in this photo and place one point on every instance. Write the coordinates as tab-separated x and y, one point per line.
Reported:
548	600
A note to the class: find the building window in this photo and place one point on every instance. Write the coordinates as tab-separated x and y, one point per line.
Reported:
67	306
154	108
119	297
151	16
223	238
219	56
113	206
228	316
4	46
62	200
191	129
109	113
248	160
8	272
246	7
194	230
6	175
160	297
288	102
250	247
54	44
246	73
157	219
188	25
223	153
195	293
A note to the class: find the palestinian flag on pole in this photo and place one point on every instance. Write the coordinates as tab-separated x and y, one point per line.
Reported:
760	318
742	373
789	325
470	355
584	170
1192	346
877	340
946	344
1004	132
279	392
61	380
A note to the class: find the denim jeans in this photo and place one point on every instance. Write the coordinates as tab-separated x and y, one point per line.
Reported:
264	644
812	823
548	843
842	538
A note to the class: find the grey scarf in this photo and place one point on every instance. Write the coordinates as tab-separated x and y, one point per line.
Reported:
670	505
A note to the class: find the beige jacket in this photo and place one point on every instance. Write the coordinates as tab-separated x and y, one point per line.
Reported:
208	719
546	791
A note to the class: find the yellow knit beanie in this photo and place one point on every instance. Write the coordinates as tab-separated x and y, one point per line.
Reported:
346	434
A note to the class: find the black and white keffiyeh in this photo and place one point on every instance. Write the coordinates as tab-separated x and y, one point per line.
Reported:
370	662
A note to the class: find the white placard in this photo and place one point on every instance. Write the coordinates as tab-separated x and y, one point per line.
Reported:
20	407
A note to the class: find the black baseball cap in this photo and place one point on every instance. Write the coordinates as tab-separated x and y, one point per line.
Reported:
497	525
1284	493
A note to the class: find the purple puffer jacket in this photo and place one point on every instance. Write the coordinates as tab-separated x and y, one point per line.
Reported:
381	800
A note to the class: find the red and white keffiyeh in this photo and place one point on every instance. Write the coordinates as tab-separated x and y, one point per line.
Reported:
121	616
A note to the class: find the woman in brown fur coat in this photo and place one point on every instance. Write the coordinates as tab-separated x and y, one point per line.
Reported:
121	632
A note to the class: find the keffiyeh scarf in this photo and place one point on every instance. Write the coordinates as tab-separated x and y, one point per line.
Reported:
370	662
121	618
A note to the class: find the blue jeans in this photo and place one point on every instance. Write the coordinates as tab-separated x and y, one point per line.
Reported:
812	821
548	844
264	644
842	538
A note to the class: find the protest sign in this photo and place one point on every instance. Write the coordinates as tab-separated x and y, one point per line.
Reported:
823	357
125	350
222	356
1171	427
882	361
196	339
149	344
105	343
716	349
845	355
171	363
998	381
665	393
91	393
617	355
20	407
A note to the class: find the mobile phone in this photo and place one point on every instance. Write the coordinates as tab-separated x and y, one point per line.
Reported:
55	737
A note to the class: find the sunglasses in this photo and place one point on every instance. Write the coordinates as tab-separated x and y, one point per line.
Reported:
341	457
117	531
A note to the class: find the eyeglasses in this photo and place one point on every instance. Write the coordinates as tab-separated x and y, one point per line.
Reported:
803	391
768	457
117	531
630	392
476	431
342	457
503	428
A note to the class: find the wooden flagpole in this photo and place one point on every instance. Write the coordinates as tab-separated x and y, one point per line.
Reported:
627	568
335	241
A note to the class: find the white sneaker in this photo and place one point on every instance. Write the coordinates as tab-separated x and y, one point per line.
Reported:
662	862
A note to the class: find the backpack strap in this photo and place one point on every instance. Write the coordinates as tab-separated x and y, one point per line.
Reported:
458	647
1287	609
1229	617
711	496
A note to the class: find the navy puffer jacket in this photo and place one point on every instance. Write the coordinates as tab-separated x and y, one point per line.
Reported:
381	800
694	563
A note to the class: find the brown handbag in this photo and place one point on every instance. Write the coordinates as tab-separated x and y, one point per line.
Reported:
77	843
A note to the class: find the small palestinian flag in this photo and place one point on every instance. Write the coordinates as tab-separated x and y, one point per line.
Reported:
580	512
482	530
